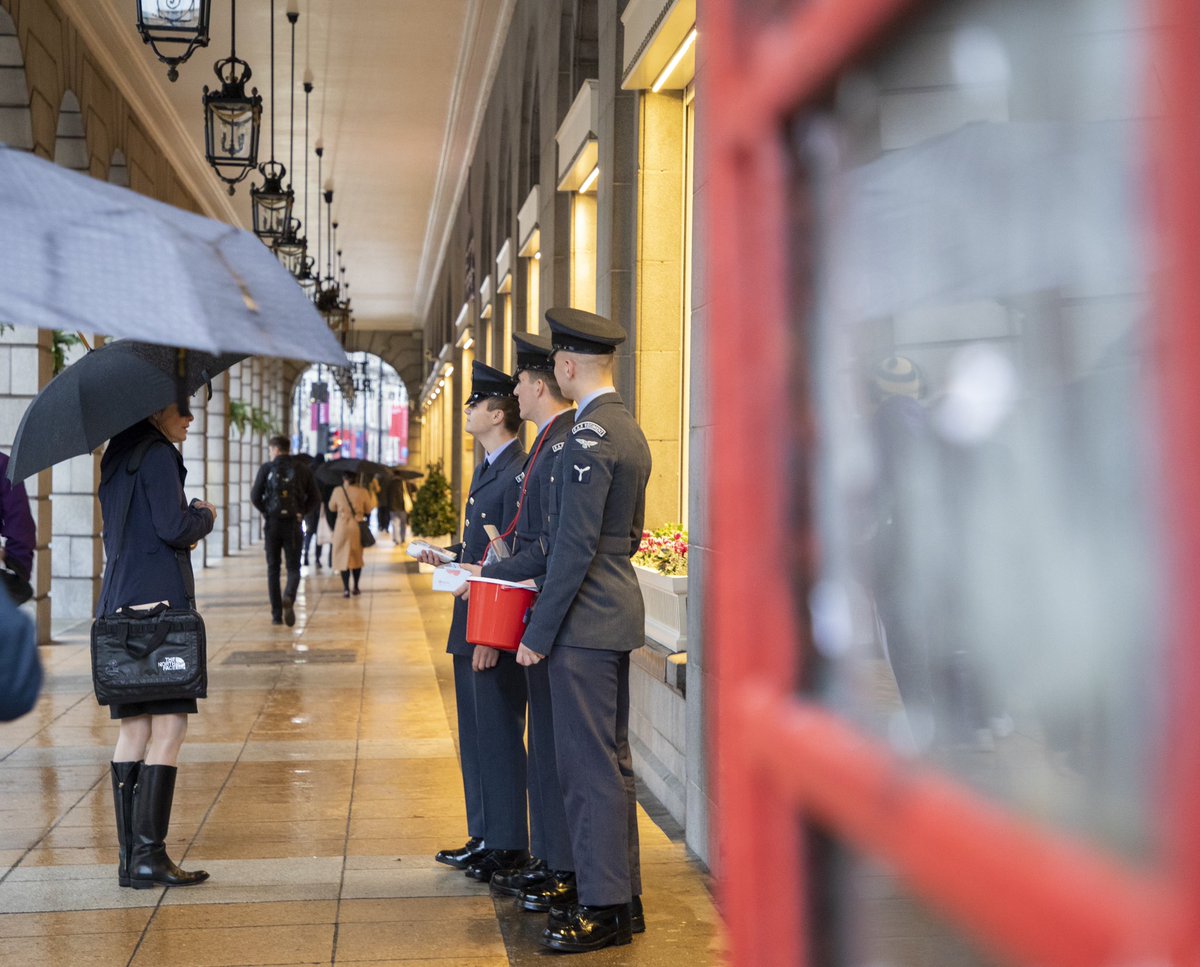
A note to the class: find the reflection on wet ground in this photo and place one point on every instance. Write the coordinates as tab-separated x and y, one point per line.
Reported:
314	789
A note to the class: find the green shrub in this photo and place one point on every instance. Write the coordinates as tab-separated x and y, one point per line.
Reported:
433	511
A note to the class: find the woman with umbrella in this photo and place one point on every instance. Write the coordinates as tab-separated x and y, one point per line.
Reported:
352	504
148	562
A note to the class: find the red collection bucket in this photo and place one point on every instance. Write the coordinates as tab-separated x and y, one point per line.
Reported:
496	612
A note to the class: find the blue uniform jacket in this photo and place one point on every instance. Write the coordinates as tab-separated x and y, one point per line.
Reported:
530	543
491	500
159	523
590	597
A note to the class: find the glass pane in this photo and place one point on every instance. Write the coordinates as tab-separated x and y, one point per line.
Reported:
865	917
182	14
975	331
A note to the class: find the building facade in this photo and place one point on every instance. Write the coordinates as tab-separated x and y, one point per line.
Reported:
583	191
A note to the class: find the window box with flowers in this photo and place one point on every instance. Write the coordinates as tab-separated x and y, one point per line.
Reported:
661	567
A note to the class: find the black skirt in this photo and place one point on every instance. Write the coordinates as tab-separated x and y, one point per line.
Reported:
173	706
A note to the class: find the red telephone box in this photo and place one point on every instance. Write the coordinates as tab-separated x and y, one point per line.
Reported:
956	330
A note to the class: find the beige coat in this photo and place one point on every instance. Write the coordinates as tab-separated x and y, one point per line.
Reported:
347	544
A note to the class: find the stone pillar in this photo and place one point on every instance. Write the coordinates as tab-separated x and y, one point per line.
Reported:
251	448
216	485
25	366
75	533
701	695
233	464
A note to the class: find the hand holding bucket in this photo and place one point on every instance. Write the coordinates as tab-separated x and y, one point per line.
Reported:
496	612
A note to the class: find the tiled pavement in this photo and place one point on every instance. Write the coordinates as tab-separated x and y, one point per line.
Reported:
315	785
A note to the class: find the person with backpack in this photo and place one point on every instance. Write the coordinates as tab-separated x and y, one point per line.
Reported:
284	493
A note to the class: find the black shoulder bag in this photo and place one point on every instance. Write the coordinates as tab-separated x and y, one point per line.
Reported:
149	655
364	529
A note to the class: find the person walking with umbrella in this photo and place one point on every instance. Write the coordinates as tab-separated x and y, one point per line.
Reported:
147	562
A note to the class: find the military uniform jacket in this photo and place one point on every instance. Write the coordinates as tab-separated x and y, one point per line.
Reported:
532	538
492	499
590	597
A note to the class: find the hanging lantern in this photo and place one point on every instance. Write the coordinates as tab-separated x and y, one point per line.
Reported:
272	203
304	275
173	29
231	117
292	247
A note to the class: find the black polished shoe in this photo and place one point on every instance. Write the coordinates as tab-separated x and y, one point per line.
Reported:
289	613
637	918
515	882
464	856
276	621
589	928
484	866
558	891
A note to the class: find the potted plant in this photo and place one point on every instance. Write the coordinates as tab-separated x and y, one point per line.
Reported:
432	515
661	567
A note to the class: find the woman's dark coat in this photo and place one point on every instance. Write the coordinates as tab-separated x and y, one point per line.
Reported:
160	528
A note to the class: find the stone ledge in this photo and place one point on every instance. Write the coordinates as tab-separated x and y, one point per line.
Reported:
663	665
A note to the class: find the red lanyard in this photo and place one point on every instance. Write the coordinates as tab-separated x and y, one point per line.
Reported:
525	483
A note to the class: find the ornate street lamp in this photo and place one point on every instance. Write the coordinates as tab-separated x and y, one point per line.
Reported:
304	265
179	25
272	203
231	118
292	246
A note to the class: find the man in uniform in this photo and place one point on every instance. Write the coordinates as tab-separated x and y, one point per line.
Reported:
588	618
548	879
489	692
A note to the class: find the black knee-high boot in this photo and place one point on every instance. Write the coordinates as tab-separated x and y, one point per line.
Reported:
124	775
149	864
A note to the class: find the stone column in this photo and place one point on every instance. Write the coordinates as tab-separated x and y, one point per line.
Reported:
216	485
75	532
25	366
233	465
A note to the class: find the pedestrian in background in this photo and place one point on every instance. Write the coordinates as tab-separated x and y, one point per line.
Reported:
146	563
352	505
20	537
284	492
313	517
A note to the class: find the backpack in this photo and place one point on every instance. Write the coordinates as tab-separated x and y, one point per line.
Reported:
283	491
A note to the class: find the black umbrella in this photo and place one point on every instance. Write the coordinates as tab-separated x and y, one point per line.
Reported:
405	473
105	392
330	472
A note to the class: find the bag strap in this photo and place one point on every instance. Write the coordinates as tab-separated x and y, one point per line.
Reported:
353	509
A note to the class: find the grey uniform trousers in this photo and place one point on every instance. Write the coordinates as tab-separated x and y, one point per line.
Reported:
468	743
548	832
590	691
500	697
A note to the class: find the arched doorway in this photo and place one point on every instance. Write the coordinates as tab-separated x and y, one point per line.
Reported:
373	426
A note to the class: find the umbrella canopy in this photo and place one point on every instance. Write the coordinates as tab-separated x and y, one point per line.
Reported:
83	254
331	471
405	473
98	396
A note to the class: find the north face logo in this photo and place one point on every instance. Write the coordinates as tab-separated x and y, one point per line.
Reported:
173	664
